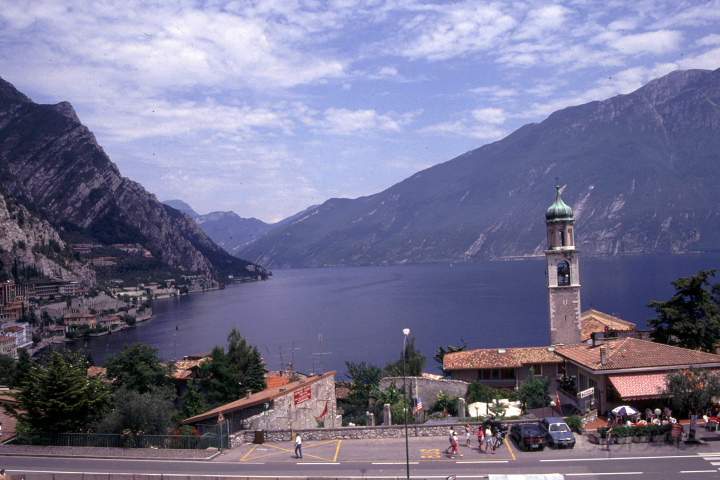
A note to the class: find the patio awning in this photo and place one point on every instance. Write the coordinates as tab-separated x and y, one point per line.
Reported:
638	387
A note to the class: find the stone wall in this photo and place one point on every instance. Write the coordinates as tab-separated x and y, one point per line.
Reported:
345	433
284	414
427	389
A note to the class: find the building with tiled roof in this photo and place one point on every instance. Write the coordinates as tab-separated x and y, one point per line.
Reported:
305	403
626	369
502	367
595	321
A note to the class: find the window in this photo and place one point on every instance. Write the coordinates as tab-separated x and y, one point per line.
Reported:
563	273
536	369
562	238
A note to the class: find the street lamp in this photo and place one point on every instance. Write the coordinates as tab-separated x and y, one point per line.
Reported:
406	333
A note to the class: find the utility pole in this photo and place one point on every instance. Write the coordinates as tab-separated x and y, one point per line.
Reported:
406	332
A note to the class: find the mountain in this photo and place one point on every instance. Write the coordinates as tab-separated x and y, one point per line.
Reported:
183	207
51	164
641	171
231	231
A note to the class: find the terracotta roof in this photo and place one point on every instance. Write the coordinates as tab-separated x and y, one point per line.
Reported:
595	321
499	358
97	371
276	379
7	339
13	328
635	353
636	387
257	398
184	368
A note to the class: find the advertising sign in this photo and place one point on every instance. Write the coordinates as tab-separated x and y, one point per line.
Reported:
302	395
586	393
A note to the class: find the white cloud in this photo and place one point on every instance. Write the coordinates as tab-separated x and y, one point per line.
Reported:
712	39
456	30
344	121
657	42
495	91
709	60
481	124
541	21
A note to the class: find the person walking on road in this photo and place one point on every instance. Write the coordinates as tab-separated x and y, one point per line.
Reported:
489	440
455	445
467	435
298	446
481	438
2	474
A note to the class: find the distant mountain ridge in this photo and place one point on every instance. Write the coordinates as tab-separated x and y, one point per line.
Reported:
641	171
228	229
51	164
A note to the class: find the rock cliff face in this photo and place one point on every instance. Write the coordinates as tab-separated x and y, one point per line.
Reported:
29	242
641	171
52	164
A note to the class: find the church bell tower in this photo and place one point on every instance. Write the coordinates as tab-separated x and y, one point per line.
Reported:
563	273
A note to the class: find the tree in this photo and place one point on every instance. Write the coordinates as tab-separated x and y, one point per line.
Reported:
138	368
442	351
60	397
193	402
248	362
229	376
534	393
148	413
477	392
692	390
22	367
691	318
8	367
414	362
364	379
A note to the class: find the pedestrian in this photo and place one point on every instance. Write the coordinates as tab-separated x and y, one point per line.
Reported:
2	474
298	446
481	437
608	436
467	435
456	445
489	440
676	433
449	449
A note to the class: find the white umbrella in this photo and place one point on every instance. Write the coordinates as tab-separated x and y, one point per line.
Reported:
624	411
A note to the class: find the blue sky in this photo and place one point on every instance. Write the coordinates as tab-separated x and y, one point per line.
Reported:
267	107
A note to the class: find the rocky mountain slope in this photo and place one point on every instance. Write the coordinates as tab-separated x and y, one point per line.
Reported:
51	164
28	242
641	171
183	207
228	229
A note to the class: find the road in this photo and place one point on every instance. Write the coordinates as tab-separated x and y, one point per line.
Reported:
385	459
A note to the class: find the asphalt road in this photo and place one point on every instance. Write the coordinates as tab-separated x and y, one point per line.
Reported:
385	459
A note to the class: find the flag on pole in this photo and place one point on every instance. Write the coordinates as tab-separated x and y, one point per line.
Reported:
418	406
324	412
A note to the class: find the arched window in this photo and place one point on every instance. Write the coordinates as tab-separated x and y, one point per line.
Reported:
563	273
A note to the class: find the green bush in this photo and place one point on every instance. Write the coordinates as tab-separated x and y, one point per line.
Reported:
575	423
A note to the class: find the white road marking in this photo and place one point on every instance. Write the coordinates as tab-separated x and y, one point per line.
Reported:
612	459
715	463
482	461
595	474
698	471
318	463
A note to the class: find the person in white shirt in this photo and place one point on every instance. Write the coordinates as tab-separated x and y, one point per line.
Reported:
298	446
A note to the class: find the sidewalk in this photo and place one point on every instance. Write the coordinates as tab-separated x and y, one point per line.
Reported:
97	452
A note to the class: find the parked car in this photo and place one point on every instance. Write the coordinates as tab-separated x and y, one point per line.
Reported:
528	436
559	434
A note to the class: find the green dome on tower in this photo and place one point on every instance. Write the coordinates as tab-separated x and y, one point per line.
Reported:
559	210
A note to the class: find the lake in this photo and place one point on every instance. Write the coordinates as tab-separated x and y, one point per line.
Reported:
319	318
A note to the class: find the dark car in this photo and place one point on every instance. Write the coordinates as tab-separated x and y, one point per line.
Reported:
559	434
528	436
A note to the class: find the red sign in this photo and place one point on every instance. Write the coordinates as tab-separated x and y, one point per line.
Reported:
302	395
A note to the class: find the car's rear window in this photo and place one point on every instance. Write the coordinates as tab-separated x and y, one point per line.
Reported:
559	427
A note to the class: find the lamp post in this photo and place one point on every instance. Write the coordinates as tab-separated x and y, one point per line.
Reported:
406	333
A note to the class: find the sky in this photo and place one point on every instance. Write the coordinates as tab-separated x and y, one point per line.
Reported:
268	107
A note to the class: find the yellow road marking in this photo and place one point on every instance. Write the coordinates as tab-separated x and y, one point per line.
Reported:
337	451
291	451
430	453
247	454
507	444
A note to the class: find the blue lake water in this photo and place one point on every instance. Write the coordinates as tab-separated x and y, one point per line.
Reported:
319	318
